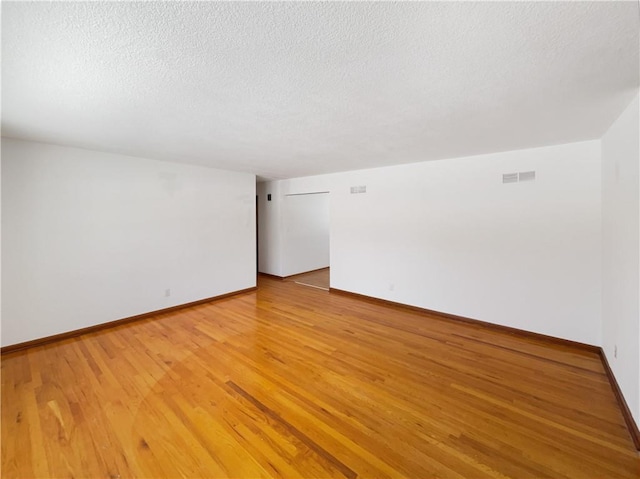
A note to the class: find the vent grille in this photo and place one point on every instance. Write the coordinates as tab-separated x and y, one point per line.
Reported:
358	189
517	177
510	178
527	176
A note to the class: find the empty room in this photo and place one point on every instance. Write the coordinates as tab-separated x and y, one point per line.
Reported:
320	239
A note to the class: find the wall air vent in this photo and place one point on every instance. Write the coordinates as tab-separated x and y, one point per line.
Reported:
526	176
510	178
355	190
517	177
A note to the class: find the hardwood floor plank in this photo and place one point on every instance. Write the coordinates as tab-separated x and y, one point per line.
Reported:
291	381
345	470
319	278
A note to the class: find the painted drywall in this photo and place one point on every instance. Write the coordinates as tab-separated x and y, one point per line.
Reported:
0	249
306	233
93	237
269	230
450	236
620	258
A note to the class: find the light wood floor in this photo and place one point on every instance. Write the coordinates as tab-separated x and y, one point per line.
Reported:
292	381
317	279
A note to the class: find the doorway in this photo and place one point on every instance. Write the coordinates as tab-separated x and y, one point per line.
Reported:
306	247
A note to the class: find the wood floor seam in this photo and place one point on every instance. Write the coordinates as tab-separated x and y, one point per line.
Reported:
348	473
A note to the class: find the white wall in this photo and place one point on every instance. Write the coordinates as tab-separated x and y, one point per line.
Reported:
621	259
449	236
93	237
269	229
305	233
1	249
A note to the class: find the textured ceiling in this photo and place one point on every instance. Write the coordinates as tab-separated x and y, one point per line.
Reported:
294	89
